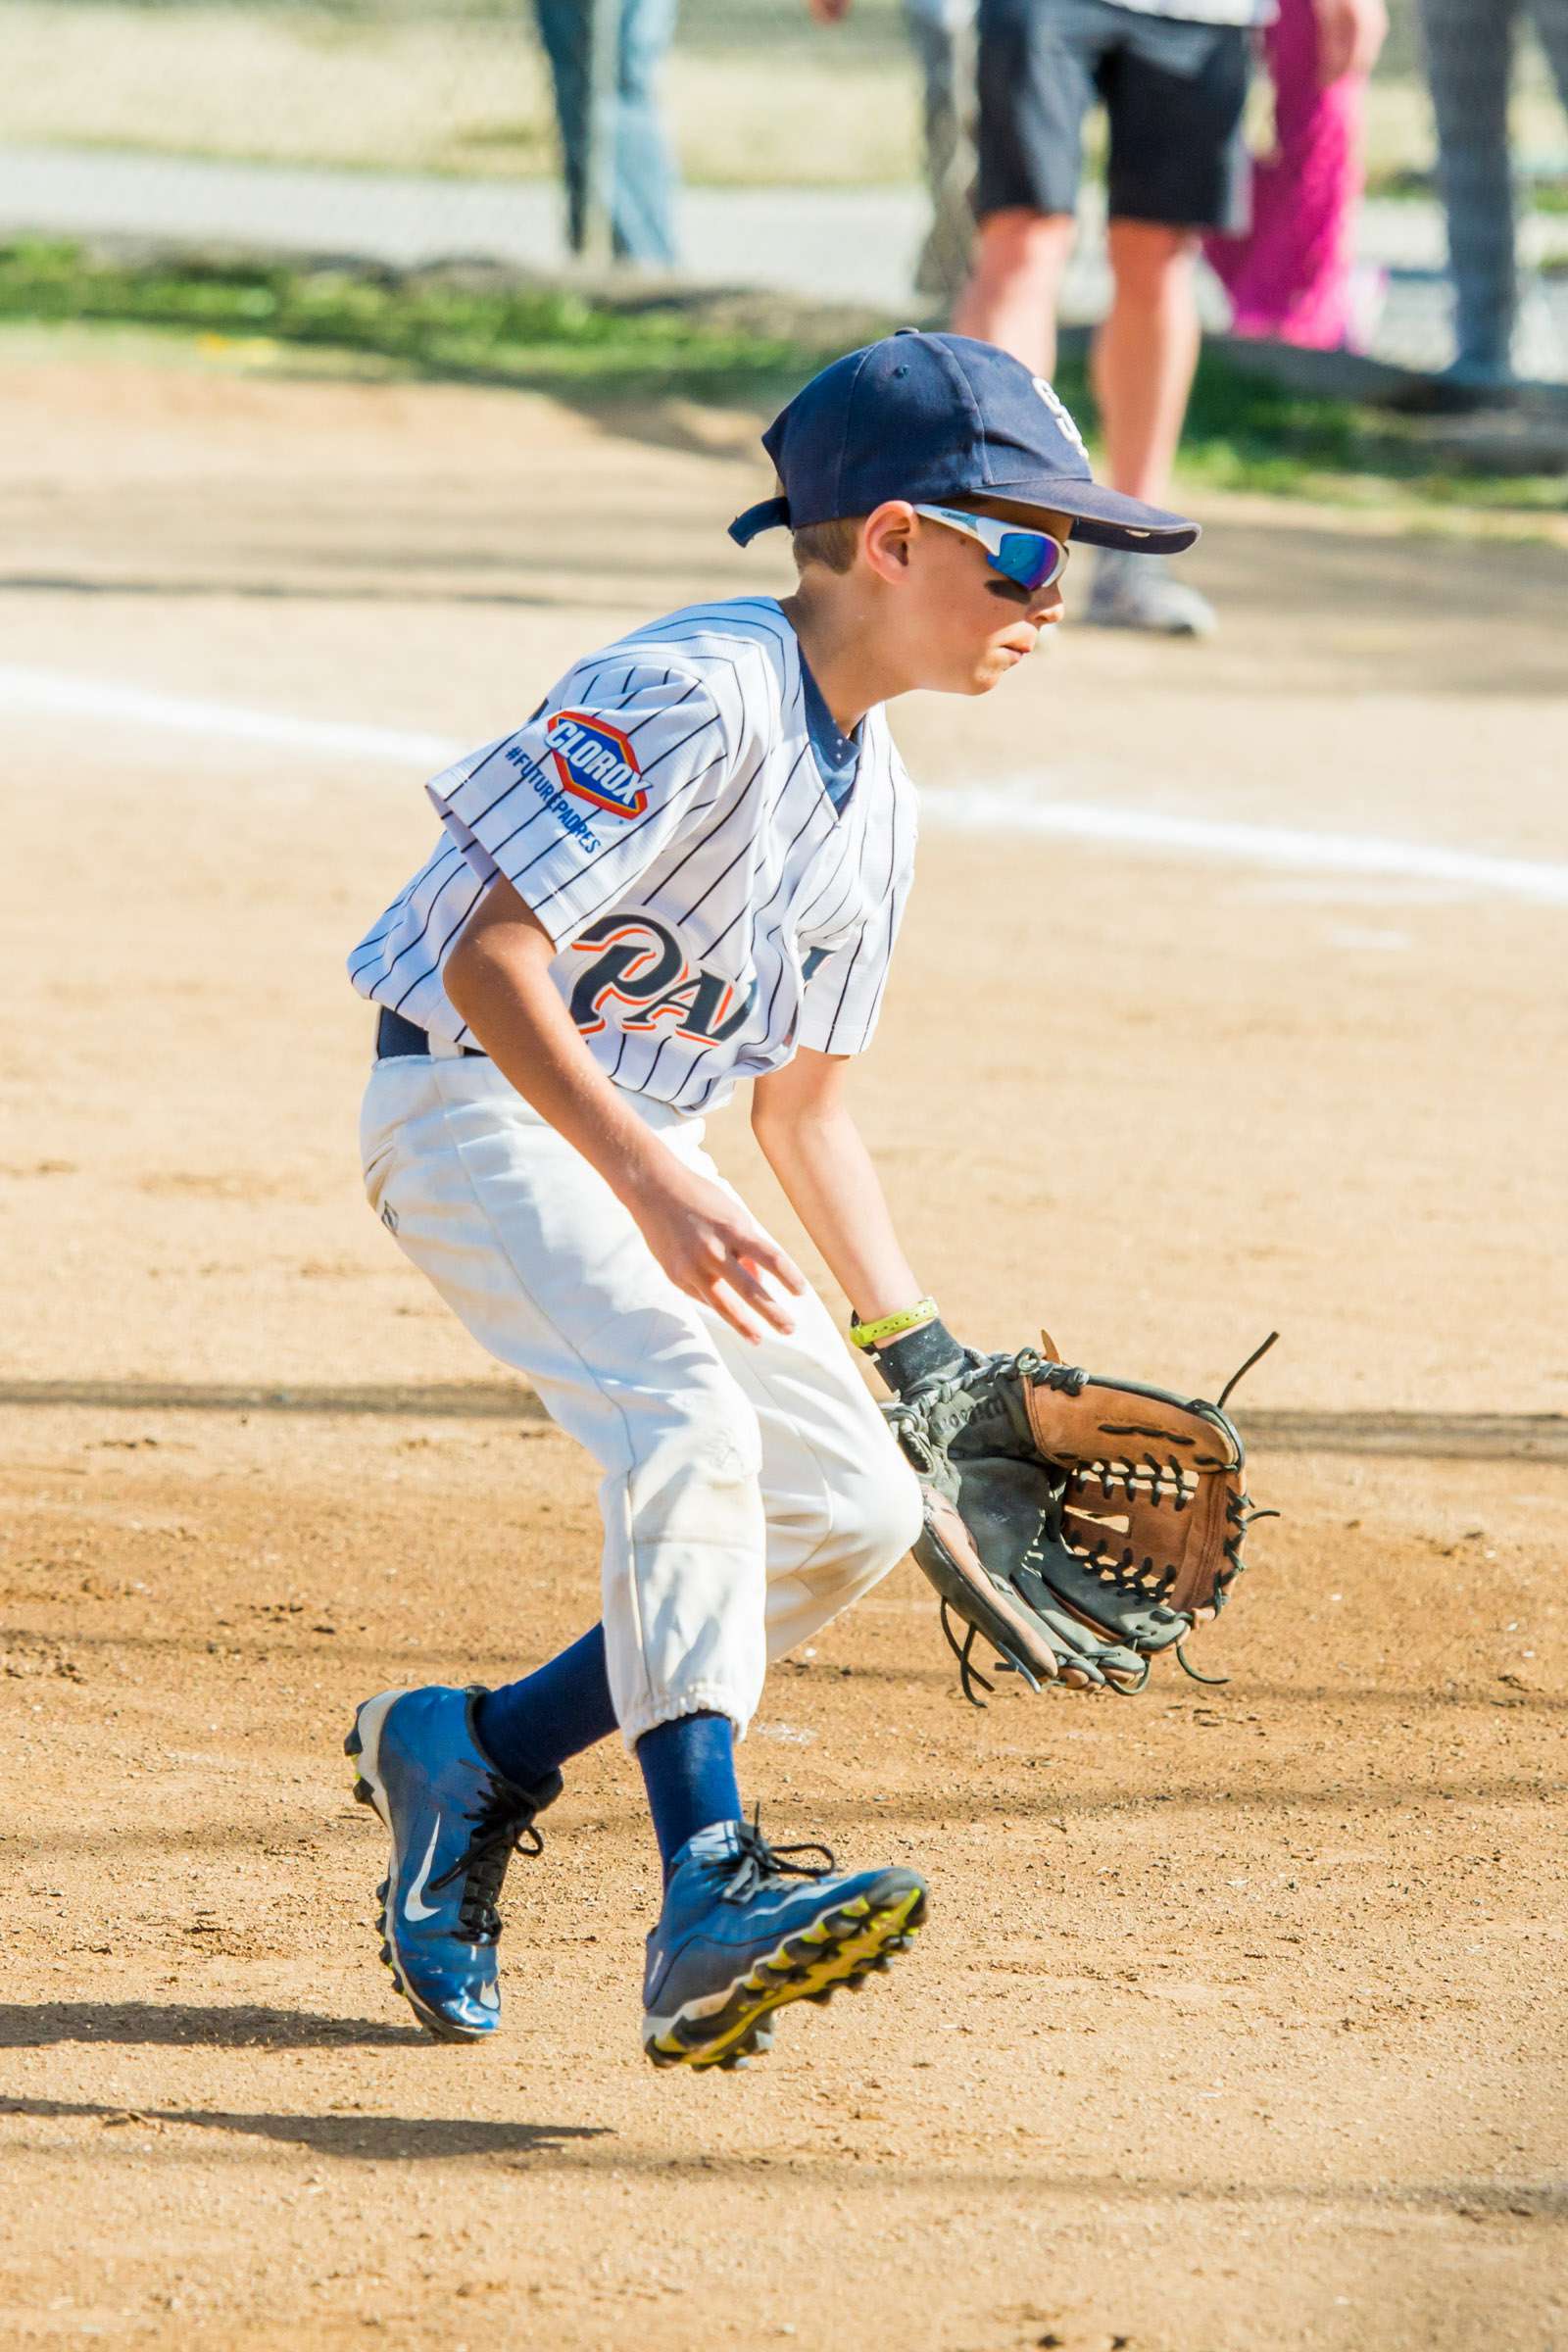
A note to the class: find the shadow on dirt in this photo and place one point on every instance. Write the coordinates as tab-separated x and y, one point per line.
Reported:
459	1401
179	2024
384	2139
1050	1806
1412	1437
361	592
1053	1804
398	2139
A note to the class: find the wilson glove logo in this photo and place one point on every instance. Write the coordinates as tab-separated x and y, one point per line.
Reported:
595	760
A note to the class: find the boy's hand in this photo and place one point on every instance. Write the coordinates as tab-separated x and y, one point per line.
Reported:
715	1250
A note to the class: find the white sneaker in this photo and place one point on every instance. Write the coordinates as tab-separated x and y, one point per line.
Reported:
1140	592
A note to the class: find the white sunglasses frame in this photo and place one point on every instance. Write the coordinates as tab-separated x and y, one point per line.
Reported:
988	530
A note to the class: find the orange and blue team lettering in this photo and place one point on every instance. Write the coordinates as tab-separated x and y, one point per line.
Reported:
640	962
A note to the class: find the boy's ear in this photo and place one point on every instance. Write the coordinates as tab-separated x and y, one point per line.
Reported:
888	537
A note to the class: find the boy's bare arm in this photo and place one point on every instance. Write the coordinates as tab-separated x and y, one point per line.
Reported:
498	977
813	1147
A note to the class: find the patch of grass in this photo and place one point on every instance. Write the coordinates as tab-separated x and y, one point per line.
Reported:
1244	433
440	323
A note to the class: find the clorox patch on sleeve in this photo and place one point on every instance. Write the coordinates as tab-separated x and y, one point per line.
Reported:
596	761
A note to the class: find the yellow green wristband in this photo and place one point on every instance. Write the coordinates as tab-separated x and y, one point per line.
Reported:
888	1327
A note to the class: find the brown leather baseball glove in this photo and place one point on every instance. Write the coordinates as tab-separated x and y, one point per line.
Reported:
1080	1525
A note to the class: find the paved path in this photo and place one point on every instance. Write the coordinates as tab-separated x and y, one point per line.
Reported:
837	244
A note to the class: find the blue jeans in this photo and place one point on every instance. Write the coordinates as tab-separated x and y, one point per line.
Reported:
942	36
643	183
1470	51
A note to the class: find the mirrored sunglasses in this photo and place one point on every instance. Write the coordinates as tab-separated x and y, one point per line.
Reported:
1030	558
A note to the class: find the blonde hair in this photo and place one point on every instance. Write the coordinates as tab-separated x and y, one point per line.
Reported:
832	544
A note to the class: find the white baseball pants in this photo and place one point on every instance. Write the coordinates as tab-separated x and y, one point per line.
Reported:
748	1493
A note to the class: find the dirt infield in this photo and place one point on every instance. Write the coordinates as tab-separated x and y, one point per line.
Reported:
1238	2021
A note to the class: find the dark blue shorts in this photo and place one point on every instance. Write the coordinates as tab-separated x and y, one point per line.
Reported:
1173	91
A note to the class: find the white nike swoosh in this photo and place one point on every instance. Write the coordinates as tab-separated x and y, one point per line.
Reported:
412	1905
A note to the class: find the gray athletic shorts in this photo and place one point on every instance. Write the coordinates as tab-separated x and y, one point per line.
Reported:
1174	91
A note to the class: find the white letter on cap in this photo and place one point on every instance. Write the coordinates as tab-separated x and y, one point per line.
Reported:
1054	404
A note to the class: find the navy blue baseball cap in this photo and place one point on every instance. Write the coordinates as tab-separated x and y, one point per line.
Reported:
936	416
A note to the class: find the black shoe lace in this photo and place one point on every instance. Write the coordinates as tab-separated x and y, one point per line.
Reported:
502	1828
757	1862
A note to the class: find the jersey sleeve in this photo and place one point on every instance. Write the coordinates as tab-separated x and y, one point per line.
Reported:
589	793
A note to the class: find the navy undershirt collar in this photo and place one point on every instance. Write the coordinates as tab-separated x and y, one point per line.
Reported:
836	756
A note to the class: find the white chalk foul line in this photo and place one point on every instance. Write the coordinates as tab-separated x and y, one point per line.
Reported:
1015	808
60	696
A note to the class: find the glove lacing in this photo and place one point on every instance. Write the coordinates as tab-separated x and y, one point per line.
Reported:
1138	1582
1240	1516
906	1418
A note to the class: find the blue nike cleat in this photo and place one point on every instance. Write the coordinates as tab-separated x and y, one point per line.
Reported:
736	1940
454	1823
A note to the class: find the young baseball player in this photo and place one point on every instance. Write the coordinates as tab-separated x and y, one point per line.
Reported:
684	872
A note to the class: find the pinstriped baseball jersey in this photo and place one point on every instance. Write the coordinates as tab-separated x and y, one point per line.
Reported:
665	815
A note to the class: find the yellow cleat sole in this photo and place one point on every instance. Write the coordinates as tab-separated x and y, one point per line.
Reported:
840	1951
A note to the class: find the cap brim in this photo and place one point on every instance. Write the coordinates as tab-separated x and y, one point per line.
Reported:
766	516
1104	517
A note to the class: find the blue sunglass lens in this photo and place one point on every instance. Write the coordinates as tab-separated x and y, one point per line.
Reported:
1027	557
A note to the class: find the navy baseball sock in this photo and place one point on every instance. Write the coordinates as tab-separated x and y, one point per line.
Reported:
528	1728
689	1771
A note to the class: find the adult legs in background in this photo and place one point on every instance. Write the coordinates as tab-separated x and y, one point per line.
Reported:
1020	260
1143	361
1142	365
644	207
1469	49
1144	354
1035	80
1551	20
942	34
1290	276
564	34
643	181
1174	93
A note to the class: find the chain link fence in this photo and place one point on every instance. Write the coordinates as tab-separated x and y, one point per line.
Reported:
407	131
